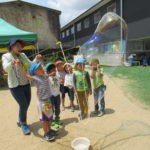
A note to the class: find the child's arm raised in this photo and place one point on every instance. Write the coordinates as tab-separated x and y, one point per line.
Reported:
23	73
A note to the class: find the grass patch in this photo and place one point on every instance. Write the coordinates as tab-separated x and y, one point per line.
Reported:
139	77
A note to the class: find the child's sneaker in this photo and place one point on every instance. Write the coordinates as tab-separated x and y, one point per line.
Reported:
54	132
96	112
25	129
85	116
55	125
72	109
59	122
77	108
81	116
100	114
49	137
18	124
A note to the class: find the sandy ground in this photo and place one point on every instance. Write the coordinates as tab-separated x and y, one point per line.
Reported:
126	125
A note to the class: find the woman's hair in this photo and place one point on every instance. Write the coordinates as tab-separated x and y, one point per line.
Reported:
94	60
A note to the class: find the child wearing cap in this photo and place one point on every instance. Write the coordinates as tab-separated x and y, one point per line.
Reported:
55	93
99	87
41	82
69	84
82	83
61	75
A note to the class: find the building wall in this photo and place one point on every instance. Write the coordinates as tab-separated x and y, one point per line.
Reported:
84	35
34	19
137	15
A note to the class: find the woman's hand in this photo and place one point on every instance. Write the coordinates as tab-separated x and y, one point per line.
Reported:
13	62
39	57
17	62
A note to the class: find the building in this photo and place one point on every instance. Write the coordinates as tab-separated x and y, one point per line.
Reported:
135	12
34	18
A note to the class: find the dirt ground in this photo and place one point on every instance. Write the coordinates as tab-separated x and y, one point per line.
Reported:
125	126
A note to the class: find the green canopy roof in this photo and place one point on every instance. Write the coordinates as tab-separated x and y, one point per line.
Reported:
8	31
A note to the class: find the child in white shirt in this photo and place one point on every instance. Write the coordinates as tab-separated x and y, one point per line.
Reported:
69	84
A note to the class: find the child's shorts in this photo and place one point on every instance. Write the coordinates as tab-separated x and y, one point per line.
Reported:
45	110
71	94
63	90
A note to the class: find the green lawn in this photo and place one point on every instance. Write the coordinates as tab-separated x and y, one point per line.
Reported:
138	80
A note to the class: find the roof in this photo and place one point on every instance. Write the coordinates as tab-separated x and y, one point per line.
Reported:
22	1
8	31
86	13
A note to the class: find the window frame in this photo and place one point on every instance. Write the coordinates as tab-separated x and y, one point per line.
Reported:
67	33
96	16
86	23
63	34
79	29
72	30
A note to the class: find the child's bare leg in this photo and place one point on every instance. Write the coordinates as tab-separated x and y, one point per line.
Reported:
45	126
63	103
71	104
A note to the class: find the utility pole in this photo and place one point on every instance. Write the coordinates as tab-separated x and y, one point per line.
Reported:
121	31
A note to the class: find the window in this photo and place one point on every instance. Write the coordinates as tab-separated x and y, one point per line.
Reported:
72	30
97	17
135	46
63	34
112	8
86	23
67	32
79	26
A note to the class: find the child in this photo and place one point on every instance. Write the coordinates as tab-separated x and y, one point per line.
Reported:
61	75
69	84
99	87
82	83
55	93
43	93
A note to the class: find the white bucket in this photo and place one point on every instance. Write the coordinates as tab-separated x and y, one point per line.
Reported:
80	143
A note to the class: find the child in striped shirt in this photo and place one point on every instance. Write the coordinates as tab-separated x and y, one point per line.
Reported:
40	80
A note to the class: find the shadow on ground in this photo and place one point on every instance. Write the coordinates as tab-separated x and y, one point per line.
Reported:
36	126
108	111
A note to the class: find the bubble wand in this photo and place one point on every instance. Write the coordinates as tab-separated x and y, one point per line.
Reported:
61	47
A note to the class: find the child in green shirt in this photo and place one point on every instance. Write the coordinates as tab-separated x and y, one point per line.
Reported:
99	87
82	85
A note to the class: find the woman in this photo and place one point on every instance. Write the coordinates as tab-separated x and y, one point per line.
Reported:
19	86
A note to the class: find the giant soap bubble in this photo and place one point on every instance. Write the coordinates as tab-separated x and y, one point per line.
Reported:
108	43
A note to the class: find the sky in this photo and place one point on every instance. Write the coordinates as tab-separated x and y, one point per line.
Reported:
70	8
